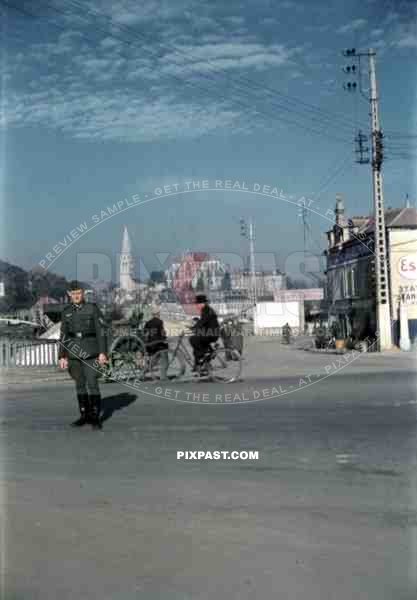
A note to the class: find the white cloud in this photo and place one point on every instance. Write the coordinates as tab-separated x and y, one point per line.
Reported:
109	42
235	20
269	21
407	41
212	57
379	45
352	26
376	32
111	90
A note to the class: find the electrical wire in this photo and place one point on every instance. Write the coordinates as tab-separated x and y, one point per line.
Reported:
156	54
248	83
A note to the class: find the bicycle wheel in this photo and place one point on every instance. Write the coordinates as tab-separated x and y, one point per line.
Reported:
225	366
174	365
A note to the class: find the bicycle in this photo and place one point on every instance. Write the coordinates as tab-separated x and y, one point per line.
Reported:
218	364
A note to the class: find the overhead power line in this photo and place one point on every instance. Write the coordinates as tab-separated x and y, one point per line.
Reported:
319	113
259	112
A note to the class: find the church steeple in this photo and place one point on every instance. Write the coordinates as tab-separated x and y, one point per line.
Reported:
126	246
127	263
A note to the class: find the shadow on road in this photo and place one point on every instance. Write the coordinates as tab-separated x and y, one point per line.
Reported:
117	402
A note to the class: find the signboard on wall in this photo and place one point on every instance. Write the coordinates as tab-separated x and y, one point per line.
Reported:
403	273
407	294
407	266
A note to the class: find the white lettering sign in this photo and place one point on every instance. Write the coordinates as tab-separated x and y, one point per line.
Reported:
407	266
407	294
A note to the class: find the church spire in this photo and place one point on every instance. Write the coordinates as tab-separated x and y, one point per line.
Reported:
127	263
126	246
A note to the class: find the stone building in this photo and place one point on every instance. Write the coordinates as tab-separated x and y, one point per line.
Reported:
351	277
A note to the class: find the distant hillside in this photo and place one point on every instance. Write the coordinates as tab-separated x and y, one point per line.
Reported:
23	288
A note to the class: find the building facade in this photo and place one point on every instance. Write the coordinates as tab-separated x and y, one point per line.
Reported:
197	270
266	282
351	277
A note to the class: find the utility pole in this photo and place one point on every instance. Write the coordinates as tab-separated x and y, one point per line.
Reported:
302	213
252	258
247	231
383	316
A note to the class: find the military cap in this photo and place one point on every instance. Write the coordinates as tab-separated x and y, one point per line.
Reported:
201	299
75	285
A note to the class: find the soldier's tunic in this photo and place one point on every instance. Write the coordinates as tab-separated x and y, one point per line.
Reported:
82	340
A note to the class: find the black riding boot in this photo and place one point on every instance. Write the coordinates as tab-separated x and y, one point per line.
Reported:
95	407
83	406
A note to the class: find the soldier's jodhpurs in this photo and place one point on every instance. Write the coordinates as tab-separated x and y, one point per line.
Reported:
85	375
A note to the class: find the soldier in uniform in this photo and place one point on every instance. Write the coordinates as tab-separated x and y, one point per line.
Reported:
82	352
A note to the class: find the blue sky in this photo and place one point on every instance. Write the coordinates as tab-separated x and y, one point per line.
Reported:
123	97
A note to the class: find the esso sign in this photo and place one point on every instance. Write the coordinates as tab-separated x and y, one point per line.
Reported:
407	266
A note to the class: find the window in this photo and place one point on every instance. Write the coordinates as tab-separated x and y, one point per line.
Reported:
339	285
342	283
352	287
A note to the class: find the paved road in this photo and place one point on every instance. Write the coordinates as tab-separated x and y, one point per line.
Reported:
328	511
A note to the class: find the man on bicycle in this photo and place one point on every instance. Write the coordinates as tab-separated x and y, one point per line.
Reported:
206	330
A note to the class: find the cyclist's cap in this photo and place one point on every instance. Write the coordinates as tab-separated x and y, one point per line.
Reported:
201	299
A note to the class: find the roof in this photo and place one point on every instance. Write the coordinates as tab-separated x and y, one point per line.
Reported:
406	217
396	218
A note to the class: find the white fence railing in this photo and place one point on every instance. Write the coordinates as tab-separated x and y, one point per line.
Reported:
28	353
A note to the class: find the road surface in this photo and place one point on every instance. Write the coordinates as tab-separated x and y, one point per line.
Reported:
328	511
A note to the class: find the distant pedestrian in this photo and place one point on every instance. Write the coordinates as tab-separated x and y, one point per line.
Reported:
156	339
83	351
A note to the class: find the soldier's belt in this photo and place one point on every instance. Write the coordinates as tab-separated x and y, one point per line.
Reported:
80	334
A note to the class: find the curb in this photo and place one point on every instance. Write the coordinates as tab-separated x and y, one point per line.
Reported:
27	375
326	351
